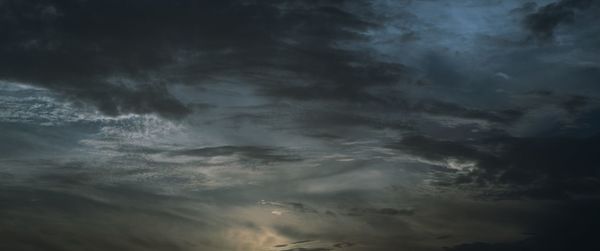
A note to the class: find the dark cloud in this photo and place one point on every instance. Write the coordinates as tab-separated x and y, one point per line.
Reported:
293	206
122	56
301	207
525	8
334	246
395	113
308	249
267	154
575	103
330	121
343	244
544	21
437	107
374	124
533	167
380	211
442	237
573	228
37	218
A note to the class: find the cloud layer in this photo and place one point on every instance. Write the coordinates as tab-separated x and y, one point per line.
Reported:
299	125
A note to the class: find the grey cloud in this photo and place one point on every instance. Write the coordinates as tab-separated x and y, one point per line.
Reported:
293	206
268	154
380	211
533	167
525	8
575	103
69	215
122	56
377	125
34	141
578	217
544	21
437	107
343	244
308	249
301	207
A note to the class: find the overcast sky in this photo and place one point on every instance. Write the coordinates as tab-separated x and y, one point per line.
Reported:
311	125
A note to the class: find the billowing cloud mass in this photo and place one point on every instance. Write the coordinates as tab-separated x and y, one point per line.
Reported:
299	125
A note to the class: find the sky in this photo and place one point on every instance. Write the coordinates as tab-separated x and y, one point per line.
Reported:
309	125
